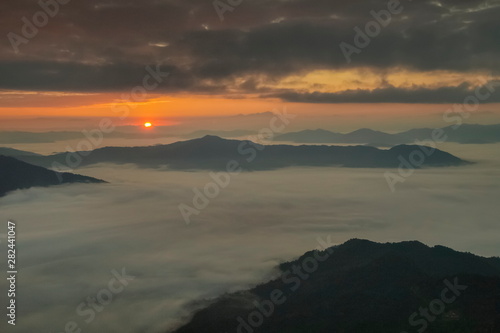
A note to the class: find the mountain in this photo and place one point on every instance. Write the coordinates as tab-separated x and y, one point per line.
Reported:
465	133
365	287
5	151
367	135
471	133
310	136
214	153
224	134
15	175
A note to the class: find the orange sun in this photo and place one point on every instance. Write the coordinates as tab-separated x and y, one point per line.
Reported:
148	125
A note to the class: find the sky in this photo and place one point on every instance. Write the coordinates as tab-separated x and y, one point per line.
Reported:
172	60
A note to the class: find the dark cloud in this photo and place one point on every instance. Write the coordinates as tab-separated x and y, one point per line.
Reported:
397	95
105	45
72	76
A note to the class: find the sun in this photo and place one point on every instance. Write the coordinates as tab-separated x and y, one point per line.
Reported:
148	125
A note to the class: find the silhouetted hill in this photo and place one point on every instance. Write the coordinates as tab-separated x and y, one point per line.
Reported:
465	133
365	287
367	135
224	134
311	136
15	174
214	153
5	151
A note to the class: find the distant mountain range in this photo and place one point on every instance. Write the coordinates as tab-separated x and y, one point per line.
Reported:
214	153
365	287
15	175
463	134
223	134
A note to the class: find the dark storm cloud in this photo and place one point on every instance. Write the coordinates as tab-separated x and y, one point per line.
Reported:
397	95
424	41
105	45
71	76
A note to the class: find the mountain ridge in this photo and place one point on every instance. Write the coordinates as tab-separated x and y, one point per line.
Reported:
364	287
16	175
214	153
465	133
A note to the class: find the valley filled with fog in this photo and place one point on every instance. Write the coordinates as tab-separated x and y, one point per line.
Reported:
71	237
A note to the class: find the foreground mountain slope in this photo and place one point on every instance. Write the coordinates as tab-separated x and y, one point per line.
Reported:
15	174
366	287
214	153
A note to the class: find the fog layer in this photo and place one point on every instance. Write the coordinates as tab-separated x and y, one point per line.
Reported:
70	238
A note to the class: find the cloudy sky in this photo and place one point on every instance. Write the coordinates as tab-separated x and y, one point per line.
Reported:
188	65
213	58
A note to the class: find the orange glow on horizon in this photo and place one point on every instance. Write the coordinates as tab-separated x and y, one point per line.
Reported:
148	125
